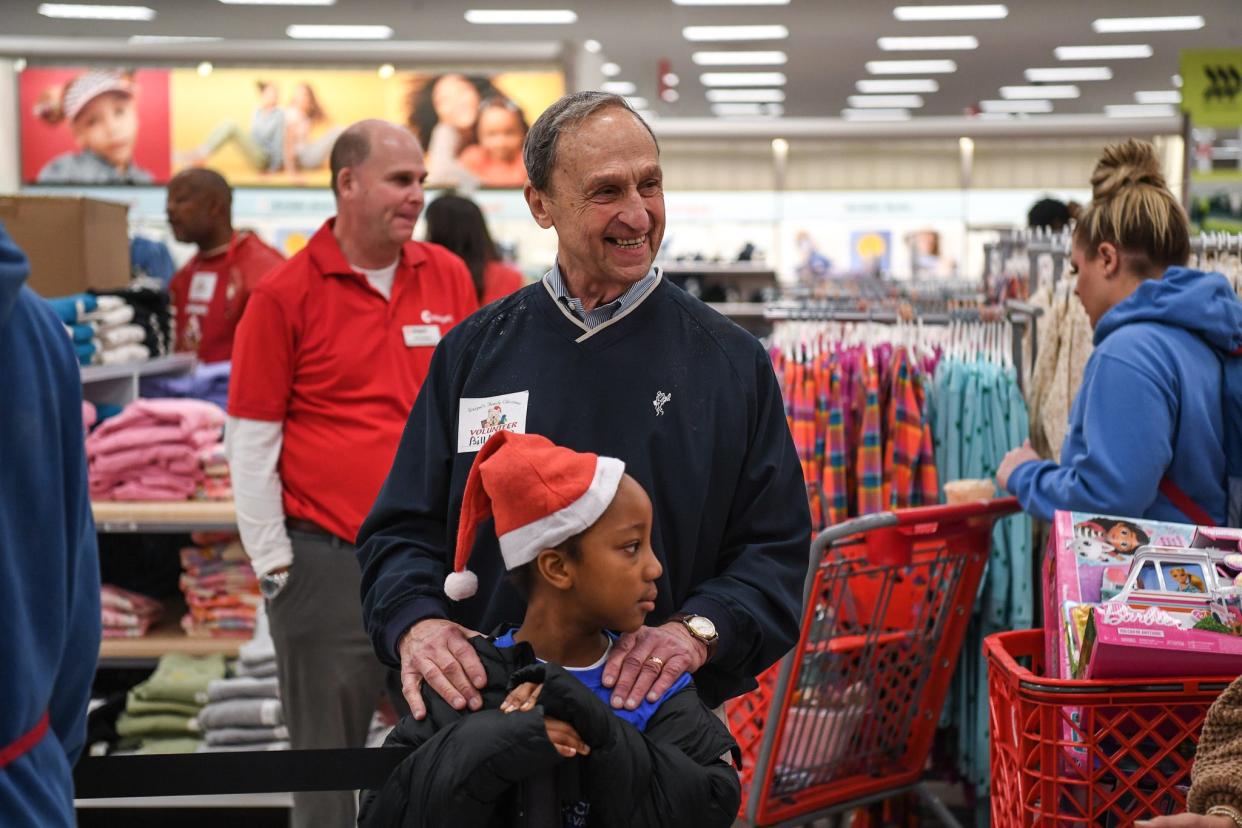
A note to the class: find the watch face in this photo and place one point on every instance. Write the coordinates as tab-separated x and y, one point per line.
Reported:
702	627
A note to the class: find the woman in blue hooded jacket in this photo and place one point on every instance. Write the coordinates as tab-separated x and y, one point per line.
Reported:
1148	429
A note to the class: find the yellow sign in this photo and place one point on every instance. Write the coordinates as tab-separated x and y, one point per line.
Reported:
1212	87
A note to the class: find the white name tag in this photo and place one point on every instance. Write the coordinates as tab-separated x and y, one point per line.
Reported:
203	286
421	336
478	418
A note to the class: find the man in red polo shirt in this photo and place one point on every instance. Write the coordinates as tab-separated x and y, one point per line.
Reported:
210	292
328	359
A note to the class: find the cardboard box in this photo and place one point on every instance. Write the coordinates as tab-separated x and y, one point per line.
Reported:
73	243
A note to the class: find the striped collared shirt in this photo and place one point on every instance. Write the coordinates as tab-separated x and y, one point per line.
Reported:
601	314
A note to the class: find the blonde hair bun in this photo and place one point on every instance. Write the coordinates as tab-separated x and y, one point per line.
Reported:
1132	163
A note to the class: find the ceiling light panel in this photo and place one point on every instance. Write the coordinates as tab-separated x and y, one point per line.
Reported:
308	32
172	39
884	101
721	33
755	58
929	44
875	114
279	2
1070	74
1054	91
748	110
1126	52
1114	25
981	11
610	70
75	11
637	103
1140	111
746	95
742	78
1030	107
1158	96
910	67
890	87
521	17
730	2
618	87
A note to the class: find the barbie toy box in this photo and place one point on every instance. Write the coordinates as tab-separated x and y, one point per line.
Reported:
1088	562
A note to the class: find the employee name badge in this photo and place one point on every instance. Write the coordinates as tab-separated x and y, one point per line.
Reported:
421	336
478	418
203	286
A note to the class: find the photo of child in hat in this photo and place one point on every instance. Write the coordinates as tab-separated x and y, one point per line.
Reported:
98	107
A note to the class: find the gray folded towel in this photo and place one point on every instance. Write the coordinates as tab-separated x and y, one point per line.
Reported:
247	735
241	713
243	687
257	746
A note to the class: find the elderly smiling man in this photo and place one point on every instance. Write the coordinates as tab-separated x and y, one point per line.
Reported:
602	355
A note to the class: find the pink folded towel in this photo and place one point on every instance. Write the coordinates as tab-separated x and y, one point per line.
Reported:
187	414
178	458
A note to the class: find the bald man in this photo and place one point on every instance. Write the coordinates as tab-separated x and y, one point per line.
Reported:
329	358
210	292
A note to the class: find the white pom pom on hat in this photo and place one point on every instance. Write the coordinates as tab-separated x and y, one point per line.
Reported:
540	495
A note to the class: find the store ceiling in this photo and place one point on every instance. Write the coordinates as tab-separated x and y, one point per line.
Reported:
829	42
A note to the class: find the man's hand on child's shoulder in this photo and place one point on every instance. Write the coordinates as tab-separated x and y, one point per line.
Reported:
438	652
648	661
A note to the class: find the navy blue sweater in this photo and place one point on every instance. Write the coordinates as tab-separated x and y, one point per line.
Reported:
685	397
49	589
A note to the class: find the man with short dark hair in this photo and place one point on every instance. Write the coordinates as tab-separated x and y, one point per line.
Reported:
209	293
604	356
329	357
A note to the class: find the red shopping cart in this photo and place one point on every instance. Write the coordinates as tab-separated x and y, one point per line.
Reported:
848	717
1087	752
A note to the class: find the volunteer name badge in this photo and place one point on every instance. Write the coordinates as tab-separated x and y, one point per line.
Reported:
203	286
478	418
421	336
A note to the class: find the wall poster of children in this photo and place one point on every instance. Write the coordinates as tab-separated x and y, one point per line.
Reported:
270	127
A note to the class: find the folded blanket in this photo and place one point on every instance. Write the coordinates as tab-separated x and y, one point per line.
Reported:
178	458
187	415
259	669
255	746
142	707
71	309
180	677
123	354
149	724
246	735
109	315
138	435
113	597
122	335
160	746
87	352
243	687
81	333
240	713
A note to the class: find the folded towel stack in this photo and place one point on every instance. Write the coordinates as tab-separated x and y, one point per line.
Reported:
244	712
161	713
127	614
151	450
217	484
102	329
152	312
257	657
220	590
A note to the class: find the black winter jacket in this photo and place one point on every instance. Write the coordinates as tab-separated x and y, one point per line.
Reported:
494	769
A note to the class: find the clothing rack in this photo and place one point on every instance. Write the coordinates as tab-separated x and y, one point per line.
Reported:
1214	242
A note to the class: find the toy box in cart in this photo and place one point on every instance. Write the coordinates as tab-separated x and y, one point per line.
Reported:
1088	561
1177	615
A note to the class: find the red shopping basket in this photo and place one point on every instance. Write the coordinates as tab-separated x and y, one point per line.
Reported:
849	715
1087	752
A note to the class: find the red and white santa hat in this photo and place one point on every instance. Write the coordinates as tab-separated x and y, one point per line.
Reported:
540	495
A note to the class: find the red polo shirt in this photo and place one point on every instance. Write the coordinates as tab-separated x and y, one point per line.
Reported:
322	351
210	293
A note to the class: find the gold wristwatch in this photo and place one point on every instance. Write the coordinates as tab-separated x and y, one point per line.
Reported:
701	627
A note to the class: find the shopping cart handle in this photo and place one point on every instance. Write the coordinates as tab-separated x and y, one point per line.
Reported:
912	522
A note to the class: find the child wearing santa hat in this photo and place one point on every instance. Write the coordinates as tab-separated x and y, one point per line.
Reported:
575	532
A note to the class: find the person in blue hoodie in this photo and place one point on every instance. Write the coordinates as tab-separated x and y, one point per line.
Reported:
1148	428
49	595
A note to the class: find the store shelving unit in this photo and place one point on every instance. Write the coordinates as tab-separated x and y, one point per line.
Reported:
118	384
174	516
